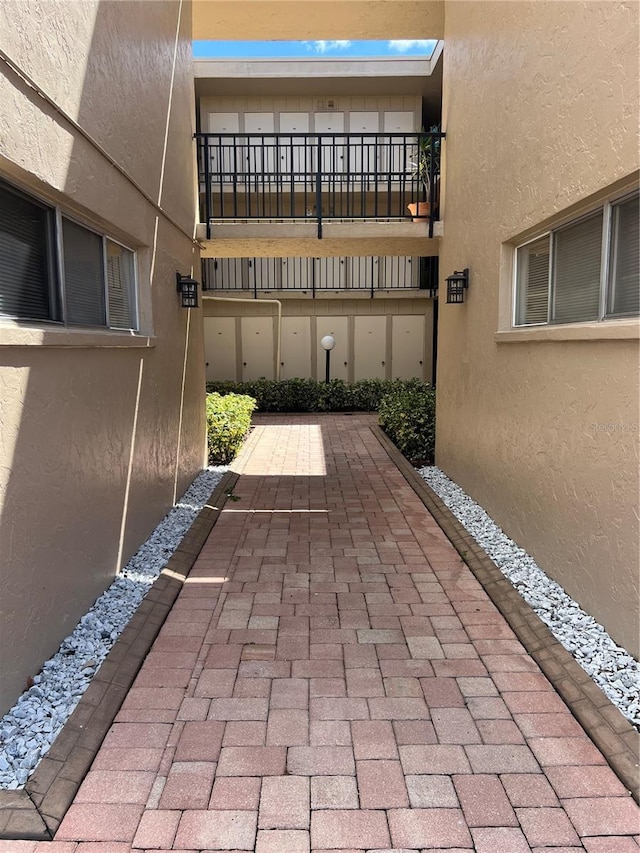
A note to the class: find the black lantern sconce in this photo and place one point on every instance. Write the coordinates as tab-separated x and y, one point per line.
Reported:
188	288
457	283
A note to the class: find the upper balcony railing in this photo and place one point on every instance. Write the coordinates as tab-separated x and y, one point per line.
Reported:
317	177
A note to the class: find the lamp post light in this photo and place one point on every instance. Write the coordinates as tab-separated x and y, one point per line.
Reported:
327	343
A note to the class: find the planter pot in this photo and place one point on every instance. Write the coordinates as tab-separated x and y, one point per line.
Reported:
420	210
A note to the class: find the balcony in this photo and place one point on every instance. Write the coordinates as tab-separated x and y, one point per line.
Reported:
347	177
311	277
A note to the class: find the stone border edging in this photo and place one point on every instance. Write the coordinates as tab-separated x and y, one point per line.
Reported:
35	812
607	727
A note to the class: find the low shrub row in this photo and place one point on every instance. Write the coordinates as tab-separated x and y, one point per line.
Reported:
228	422
309	395
406	410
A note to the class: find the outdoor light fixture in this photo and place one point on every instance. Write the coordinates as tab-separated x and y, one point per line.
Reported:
188	287
327	343
457	283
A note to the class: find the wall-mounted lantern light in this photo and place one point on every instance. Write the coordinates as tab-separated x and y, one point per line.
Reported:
188	288
457	283
327	343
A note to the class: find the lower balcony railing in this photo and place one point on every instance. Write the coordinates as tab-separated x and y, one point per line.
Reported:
318	177
317	275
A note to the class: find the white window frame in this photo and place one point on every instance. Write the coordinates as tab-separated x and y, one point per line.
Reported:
56	273
605	256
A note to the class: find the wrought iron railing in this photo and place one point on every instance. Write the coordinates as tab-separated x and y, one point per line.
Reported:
327	176
316	275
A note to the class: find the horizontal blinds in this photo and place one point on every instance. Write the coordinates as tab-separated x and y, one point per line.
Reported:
83	276
625	259
120	286
25	268
533	282
577	258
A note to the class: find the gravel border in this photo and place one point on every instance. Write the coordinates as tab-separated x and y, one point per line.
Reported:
28	730
611	667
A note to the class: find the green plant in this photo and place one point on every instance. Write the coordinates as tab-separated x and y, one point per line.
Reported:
408	416
228	422
308	395
427	159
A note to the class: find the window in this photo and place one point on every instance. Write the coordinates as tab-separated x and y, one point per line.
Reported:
587	270
88	281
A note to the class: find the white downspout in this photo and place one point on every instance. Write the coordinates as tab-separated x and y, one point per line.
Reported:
253	302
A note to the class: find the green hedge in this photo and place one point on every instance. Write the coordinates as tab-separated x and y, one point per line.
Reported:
408	416
228	422
308	395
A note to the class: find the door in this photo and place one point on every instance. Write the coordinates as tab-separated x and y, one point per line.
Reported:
363	273
399	273
362	161
220	348
296	273
337	327
223	161
331	273
333	146
260	155
295	153
370	347
257	348
295	355
399	154
407	347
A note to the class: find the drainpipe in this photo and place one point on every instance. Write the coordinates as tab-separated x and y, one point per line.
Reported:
253	302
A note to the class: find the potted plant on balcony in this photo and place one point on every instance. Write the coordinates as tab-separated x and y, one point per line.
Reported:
427	159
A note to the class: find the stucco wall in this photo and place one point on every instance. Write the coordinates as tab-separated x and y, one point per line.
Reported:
96	440
540	109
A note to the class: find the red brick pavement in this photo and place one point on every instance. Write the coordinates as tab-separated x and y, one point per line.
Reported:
332	677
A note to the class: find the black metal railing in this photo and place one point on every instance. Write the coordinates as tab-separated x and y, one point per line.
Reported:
317	275
327	176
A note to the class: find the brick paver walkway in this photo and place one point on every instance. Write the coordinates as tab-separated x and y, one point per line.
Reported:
332	677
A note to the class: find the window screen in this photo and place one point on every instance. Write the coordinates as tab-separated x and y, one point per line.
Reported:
120	287
624	294
27	269
83	276
576	280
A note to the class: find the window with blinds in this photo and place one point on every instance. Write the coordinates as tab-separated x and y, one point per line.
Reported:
93	283
27	259
560	277
120	286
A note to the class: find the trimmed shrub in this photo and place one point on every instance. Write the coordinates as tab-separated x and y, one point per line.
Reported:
228	422
308	395
407	414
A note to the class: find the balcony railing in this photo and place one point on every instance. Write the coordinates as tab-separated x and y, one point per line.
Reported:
318	177
314	276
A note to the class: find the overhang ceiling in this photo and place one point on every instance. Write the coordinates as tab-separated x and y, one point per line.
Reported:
265	20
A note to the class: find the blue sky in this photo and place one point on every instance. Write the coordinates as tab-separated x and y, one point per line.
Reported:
297	49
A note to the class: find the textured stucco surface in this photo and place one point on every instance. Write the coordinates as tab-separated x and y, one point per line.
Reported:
95	441
317	19
540	109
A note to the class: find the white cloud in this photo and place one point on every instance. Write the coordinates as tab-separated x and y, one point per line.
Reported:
402	46
324	46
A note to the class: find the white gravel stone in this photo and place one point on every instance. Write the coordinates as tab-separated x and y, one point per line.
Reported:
30	727
613	669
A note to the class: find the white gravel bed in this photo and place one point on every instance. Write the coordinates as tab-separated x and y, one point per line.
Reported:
610	666
30	727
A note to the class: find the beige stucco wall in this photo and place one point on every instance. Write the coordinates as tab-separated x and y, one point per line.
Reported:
540	109
96	439
318	19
